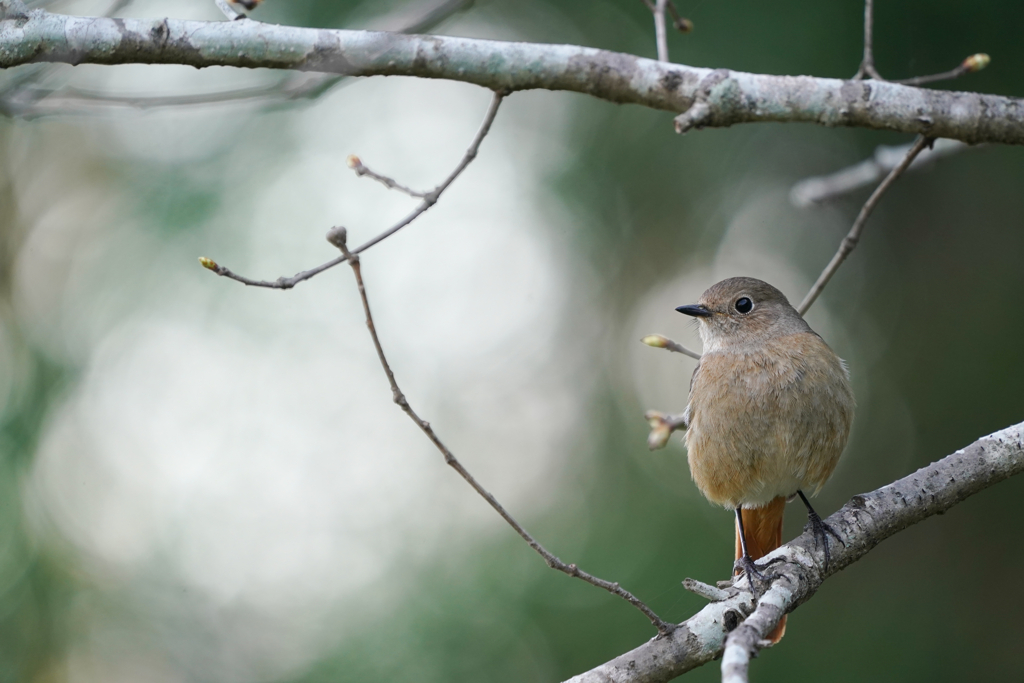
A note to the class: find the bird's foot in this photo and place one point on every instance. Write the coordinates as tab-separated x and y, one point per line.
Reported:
821	531
746	566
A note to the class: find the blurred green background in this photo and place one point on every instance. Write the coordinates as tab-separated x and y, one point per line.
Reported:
202	482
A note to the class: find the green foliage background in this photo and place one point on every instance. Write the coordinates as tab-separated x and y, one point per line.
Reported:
944	270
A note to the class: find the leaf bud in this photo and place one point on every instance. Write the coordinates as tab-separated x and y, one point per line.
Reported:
976	62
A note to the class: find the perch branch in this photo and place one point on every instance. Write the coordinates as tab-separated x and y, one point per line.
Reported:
720	97
428	200
864	522
337	237
851	239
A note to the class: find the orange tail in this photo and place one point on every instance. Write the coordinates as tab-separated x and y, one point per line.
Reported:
764	534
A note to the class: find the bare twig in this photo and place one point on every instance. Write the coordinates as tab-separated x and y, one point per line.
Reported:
429	199
818	189
356	164
659	341
680	23
708	592
659	30
864	522
970	65
662	426
867	64
280	283
850	241
337	237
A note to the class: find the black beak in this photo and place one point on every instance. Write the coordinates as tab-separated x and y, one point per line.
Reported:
696	311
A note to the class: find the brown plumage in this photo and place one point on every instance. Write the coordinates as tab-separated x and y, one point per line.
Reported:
769	414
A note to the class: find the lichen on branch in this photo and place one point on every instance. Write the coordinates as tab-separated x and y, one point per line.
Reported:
718	97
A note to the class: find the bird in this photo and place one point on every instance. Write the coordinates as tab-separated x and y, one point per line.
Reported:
769	415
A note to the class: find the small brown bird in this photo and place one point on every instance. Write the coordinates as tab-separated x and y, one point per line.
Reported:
769	414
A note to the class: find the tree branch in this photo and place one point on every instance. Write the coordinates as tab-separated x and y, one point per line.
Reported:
864	522
26	98
970	65
428	200
660	36
820	189
337	237
851	239
719	97
867	63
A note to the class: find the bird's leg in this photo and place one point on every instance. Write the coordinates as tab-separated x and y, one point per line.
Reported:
746	563
819	529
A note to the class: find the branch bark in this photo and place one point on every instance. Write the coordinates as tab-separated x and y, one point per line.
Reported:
864	522
723	97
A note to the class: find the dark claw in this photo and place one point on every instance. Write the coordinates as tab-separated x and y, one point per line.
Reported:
749	568
820	530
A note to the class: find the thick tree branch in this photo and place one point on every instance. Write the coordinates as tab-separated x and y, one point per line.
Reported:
863	523
28	98
708	97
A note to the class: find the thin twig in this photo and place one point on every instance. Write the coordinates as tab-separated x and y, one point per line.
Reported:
970	65
679	22
706	591
660	341
429	199
337	237
818	189
867	64
662	426
356	164
850	241
659	30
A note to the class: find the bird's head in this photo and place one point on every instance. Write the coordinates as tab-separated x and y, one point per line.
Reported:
743	312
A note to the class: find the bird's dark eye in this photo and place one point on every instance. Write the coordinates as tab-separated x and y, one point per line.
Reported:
743	305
